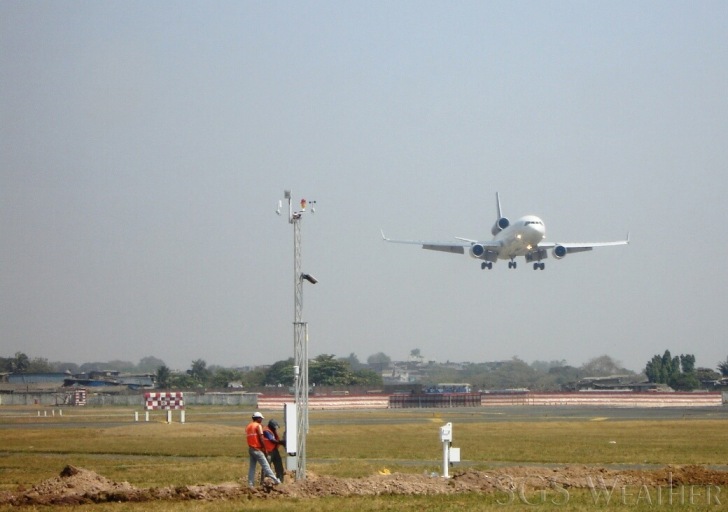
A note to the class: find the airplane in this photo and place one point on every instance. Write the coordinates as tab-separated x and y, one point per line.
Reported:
524	237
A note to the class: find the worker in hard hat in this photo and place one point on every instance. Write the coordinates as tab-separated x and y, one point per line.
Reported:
256	450
271	441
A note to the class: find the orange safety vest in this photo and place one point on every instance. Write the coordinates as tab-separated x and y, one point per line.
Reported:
270	446
251	432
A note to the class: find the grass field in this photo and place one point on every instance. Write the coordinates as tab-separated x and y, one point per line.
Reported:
209	448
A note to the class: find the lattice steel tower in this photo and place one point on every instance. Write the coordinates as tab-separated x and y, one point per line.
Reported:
300	335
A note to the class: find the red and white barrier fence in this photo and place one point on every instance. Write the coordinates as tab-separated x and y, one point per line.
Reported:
328	402
594	399
604	399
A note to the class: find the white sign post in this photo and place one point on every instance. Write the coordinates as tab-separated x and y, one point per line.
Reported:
449	454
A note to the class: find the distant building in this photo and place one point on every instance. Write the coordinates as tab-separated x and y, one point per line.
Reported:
616	383
37	378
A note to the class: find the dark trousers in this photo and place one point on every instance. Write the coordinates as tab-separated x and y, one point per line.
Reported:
276	461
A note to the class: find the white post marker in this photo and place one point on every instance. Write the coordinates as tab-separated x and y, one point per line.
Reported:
446	440
449	453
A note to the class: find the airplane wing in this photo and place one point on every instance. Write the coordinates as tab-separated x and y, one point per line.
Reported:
572	247
454	247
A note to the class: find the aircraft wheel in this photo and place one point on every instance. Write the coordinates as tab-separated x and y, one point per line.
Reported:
483	265
542	266
536	266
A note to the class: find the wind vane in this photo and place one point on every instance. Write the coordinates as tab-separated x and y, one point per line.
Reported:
295	215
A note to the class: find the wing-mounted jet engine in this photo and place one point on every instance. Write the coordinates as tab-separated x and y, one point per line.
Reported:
559	251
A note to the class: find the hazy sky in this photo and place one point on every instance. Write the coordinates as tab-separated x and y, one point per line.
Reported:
144	147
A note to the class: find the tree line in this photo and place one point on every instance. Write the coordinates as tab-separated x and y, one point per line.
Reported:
324	370
678	372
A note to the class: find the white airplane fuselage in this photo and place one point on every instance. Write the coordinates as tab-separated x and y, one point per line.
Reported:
520	238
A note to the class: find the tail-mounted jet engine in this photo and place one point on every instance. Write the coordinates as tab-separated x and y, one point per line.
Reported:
500	225
559	251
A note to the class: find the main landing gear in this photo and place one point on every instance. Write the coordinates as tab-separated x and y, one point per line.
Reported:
538	265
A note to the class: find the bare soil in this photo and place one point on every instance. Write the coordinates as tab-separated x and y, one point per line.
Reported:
76	485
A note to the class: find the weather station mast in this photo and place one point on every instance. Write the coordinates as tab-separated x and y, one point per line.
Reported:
297	419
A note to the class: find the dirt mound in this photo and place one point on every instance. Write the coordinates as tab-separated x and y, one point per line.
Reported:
78	486
73	486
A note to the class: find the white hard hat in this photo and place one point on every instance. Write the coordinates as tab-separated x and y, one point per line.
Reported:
257	415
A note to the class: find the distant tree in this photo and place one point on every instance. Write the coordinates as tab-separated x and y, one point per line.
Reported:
353	362
164	377
366	377
221	377
183	381
39	365
379	361
256	377
21	363
653	370
199	372
149	364
280	372
705	375
564	377
723	367
684	382
677	372
545	366
670	365
603	366
416	355
325	370
687	363
441	373
515	373
5	364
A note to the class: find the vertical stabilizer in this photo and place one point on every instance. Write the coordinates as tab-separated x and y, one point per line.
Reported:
497	201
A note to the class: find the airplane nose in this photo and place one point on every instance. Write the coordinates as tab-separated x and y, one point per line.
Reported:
538	231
